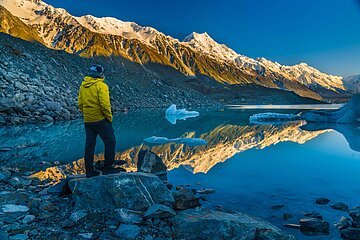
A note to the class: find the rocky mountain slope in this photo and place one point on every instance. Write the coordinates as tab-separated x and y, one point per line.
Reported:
197	57
352	83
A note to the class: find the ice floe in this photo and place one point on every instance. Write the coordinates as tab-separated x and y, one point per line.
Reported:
186	141
173	114
273	118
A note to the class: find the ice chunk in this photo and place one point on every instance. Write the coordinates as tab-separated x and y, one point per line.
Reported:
186	141
273	118
173	114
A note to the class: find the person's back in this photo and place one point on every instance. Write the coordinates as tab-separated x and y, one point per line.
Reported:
94	103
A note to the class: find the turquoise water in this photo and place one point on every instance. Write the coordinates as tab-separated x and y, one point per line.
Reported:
251	167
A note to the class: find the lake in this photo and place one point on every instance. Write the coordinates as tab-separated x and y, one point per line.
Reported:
251	167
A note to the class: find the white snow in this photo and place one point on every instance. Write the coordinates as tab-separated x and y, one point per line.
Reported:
204	43
273	118
185	141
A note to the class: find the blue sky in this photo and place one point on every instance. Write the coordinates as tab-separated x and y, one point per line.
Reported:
322	33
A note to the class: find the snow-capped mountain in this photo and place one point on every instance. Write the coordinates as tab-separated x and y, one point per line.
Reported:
197	55
352	83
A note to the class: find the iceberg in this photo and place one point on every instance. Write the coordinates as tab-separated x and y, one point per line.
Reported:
173	114
186	141
273	118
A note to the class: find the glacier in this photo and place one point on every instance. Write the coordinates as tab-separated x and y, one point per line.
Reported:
273	118
185	141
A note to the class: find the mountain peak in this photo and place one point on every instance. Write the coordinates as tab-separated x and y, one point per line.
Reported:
197	37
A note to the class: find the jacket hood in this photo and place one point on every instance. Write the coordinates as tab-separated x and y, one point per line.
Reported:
89	81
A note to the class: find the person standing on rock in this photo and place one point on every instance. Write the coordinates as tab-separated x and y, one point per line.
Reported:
94	104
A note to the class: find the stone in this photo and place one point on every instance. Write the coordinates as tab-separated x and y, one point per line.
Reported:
314	226
78	215
206	191
205	224
149	162
19	198
86	235
185	199
355	216
343	223
62	187
4	235
6	104
2	122
159	211
287	216
12	208
134	191
340	206
278	206
18	237
53	106
4	175
67	224
28	219
313	215
350	233
292	225
322	201
127	231
127	216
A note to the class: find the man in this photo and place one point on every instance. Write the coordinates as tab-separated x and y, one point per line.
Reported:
94	103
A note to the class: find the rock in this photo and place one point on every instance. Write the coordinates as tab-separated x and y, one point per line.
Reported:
343	223
292	225
322	201
206	191
53	106
86	235
349	113
78	215
6	104
62	187
4	175
355	216
159	211
279	206
313	215
47	118
2	122
340	206
28	219
67	224
350	233
18	237
12	208
19	198
127	231
127	216
314	226
185	199
211	224
287	216
149	162
134	191
4	235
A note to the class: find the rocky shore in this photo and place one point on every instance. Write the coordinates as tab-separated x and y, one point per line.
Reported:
137	205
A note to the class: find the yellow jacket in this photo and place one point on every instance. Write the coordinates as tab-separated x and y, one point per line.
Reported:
94	100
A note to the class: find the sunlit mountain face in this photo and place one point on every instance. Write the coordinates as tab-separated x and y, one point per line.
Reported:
204	62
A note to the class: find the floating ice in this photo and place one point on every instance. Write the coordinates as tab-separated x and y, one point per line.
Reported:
172	114
273	118
186	141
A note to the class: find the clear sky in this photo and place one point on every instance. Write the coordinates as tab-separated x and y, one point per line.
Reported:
322	33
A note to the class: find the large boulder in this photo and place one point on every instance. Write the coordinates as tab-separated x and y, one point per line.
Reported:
149	162
134	191
213	224
349	113
314	226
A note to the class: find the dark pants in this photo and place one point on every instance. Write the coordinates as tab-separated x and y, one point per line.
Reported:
105	130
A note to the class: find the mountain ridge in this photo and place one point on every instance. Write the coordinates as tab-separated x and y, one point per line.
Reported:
199	55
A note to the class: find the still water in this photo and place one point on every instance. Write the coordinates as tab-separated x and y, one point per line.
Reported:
251	167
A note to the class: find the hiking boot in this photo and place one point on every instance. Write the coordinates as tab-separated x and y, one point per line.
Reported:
92	174
99	165
112	170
